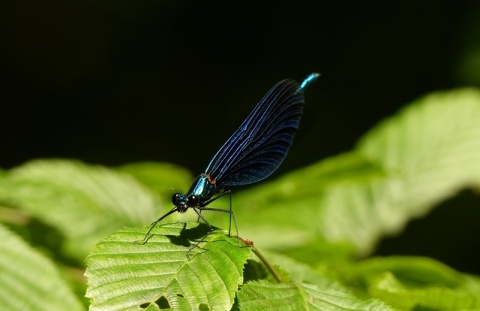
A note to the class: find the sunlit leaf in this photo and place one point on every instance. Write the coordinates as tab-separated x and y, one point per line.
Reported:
263	295
168	270
409	282
433	297
81	201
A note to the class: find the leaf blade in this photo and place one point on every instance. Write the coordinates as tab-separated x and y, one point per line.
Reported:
261	295
30	281
125	275
83	202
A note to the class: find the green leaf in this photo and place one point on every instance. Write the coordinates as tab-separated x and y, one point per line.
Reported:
132	276
435	140
408	282
261	295
428	152
416	271
431	150
83	202
30	281
433	297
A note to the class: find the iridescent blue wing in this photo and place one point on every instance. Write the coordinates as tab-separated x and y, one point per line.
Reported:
259	145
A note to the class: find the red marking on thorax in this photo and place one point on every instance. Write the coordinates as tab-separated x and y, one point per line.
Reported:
210	180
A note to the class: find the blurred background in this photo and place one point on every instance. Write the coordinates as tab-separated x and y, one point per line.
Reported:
113	82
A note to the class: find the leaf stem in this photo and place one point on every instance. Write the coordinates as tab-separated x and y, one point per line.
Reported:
262	259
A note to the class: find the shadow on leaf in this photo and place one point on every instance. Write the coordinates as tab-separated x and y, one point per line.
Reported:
191	234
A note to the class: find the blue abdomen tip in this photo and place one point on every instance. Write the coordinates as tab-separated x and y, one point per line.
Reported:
309	80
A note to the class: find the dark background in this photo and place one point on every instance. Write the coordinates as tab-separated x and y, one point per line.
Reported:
113	82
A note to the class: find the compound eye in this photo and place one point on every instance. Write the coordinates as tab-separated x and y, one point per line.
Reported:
175	198
192	200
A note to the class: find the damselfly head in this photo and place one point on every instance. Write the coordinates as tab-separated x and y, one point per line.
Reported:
182	202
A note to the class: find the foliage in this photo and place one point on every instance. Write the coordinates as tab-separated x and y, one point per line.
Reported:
316	222
166	269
